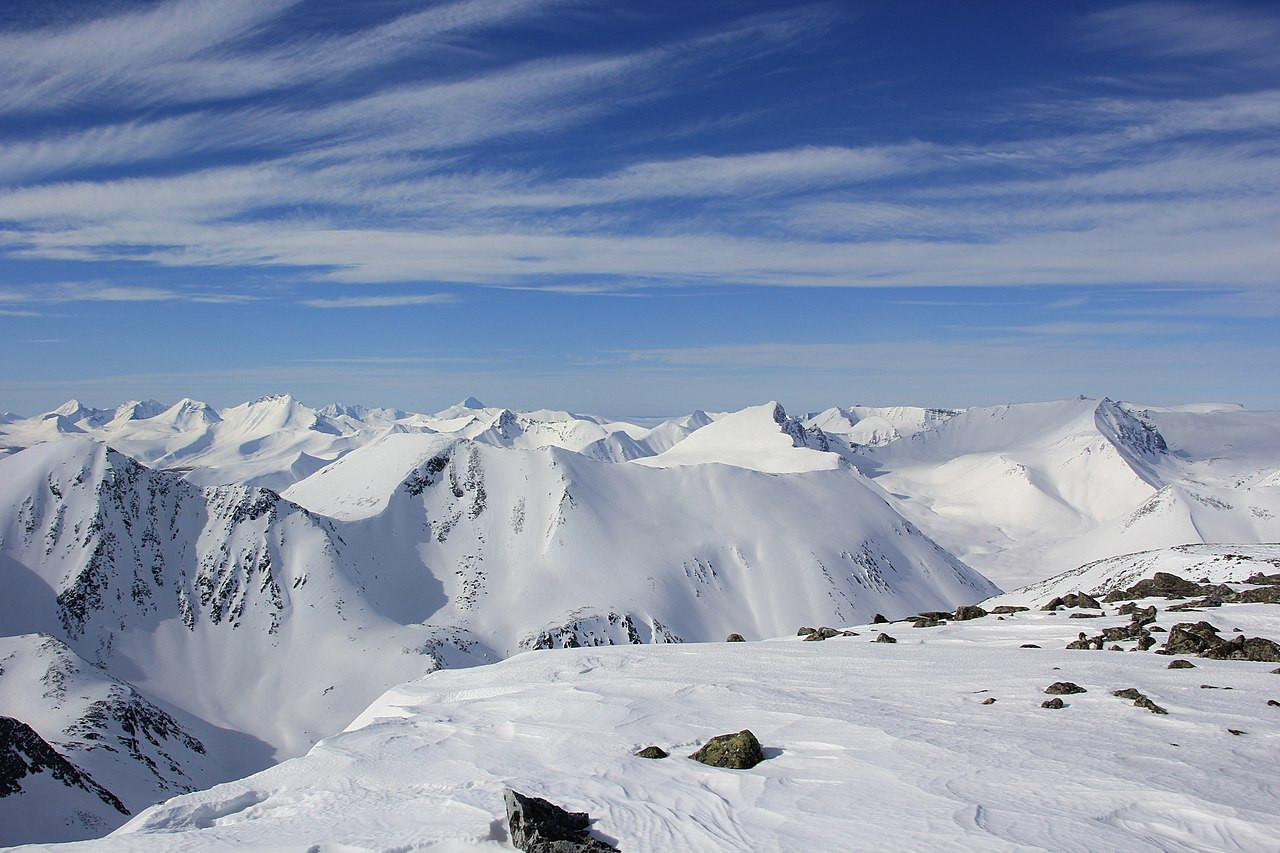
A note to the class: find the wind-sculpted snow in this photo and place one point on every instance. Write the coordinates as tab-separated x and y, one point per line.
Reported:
867	747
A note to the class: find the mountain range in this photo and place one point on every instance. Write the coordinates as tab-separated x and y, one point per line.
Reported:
193	594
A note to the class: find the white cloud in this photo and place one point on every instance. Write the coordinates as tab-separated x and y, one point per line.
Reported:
382	301
1170	29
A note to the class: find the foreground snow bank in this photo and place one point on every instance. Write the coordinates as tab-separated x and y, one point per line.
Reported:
868	746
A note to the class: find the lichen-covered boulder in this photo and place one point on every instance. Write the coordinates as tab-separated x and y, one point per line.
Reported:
735	638
740	751
654	752
884	638
1064	688
1244	648
966	612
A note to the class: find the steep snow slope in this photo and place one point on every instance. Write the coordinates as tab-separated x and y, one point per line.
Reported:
1026	491
761	438
176	589
868	747
134	749
585	551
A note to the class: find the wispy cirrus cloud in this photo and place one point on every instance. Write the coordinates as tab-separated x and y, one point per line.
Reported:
1187	30
393	301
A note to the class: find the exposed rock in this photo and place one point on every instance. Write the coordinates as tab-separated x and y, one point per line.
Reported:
928	623
1139	700
990	700
1190	638
1162	584
1053	703
24	753
735	638
1007	609
1064	688
1139	615
1197	604
966	612
804	631
1073	599
652	752
739	751
1244	648
1260	578
1181	663
933	614
879	620
1031	646
1087	615
1083	644
1156	629
538	826
825	633
1261	595
1273	703
884	638
1145	642
1237	732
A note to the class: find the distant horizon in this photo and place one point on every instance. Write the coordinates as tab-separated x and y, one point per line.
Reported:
615	416
640	205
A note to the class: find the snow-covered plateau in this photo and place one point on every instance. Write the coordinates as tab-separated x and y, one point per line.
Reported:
192	595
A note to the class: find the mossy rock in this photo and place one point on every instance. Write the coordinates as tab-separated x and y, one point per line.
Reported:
652	752
740	751
735	638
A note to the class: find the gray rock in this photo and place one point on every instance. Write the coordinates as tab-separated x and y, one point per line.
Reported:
1031	646
740	751
1160	584
1064	688
928	623
966	612
884	638
879	620
990	700
1181	663
1007	609
538	826
654	752
1244	648
1190	638
735	638
1054	703
804	631
1260	578
1261	595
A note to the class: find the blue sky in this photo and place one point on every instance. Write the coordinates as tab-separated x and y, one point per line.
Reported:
639	207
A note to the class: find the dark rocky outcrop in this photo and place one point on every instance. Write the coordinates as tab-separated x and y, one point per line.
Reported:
1260	578
1161	584
1190	638
879	620
823	633
884	638
1244	648
1030	646
1261	595
538	826
740	751
24	753
1064	688
966	612
1006	609
735	638
990	700
1071	600
652	752
928	623
1053	703
1139	700
1181	663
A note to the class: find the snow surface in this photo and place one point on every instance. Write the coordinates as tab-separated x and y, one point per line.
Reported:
869	747
761	438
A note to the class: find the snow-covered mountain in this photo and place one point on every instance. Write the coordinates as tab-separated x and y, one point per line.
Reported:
144	552
280	618
1022	492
